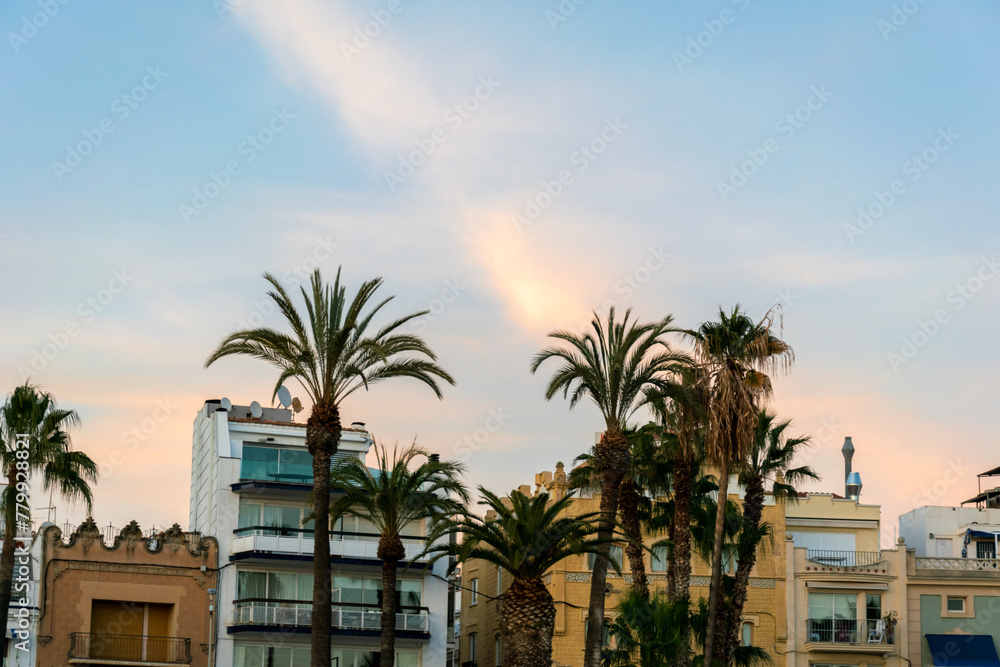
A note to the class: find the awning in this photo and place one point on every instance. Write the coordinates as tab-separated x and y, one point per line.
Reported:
963	650
982	533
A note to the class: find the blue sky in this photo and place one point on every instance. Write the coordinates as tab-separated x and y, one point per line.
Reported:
711	153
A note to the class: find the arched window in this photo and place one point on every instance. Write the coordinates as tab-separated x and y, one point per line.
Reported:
746	634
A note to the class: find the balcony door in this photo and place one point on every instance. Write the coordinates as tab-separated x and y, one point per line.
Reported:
124	630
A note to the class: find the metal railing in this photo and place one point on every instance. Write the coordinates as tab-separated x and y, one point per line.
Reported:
344	616
130	648
844	558
300	541
959	564
847	631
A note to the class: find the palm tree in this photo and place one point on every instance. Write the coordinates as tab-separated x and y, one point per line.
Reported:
34	438
613	366
649	632
736	354
769	461
334	357
526	537
392	497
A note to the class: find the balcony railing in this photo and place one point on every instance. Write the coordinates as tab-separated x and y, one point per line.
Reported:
847	631
111	649
300	541
845	558
345	616
959	564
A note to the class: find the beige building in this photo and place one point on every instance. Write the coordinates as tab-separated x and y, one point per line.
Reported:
569	583
138	601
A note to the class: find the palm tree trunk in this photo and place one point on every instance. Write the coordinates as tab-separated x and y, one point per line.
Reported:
715	590
7	555
611	458
753	510
681	535
322	438
629	508
527	620
390	551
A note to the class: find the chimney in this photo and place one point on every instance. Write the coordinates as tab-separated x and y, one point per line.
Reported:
853	486
848	450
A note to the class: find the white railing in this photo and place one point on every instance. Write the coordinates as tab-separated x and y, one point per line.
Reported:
959	564
303	544
345	618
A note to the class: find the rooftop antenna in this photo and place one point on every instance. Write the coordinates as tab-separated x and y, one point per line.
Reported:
227	405
256	410
284	396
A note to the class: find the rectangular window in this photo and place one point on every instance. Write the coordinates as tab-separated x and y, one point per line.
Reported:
658	563
615	555
259	463
409	593
497	654
472	646
986	549
746	635
499	581
873	607
249	515
473	592
956	605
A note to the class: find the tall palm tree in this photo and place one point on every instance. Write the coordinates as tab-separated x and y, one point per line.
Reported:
769	461
337	354
34	438
737	354
612	365
392	497
526	537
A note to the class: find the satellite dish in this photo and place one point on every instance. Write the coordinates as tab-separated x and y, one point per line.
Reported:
256	410
296	405
227	405
284	396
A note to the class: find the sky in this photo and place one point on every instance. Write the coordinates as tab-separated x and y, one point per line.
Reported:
511	168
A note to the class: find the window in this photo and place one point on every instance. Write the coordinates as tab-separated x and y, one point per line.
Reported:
274	464
606	633
472	647
746	634
956	605
473	591
833	618
282	586
986	549
349	657
615	555
658	562
272	656
497	653
873	607
499	581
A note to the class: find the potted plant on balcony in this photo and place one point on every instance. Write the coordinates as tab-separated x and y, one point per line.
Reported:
891	618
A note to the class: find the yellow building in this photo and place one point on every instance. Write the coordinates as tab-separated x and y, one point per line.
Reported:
569	584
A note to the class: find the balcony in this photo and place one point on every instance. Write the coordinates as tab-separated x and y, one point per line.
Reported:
345	616
87	648
848	635
959	564
299	541
845	558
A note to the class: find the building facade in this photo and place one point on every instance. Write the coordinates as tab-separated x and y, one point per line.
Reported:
251	481
138	601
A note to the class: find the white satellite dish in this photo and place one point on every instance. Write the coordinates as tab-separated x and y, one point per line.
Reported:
284	396
227	405
256	410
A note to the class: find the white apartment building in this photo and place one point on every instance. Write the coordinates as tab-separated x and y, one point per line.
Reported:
251	479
